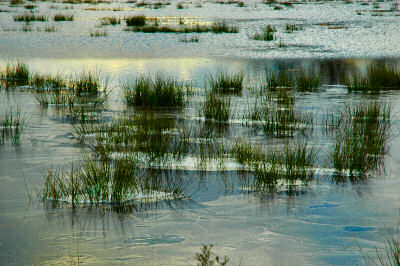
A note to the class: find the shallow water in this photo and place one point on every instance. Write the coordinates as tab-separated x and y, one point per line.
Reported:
326	223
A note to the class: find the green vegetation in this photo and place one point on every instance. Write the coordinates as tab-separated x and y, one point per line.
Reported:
157	91
63	17
30	17
307	81
290	28
120	181
300	81
98	33
14	75
224	82
378	78
220	27
391	254
30	7
189	39
216	107
295	163
205	258
11	124
180	5
110	21
267	34
137	21
361	136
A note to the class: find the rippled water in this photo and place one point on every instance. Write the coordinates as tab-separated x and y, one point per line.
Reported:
327	223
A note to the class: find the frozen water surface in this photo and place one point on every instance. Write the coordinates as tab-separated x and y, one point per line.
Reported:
326	223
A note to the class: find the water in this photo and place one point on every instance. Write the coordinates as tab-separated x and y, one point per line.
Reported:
327	223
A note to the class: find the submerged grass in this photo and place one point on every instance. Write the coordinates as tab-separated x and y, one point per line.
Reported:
220	27
120	181
285	168
63	17
14	75
361	138
12	123
138	21
301	81
380	77
110	21
223	82
267	34
216	107
157	91
30	17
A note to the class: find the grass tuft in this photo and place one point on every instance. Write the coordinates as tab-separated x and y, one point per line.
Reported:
157	91
63	17
267	34
30	17
224	82
15	75
361	138
137	21
216	107
378	78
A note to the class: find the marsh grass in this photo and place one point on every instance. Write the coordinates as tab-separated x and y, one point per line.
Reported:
224	82
154	91
380	77
361	138
120	181
12	123
206	258
291	27
282	80
216	107
110	21
391	255
14	75
301	81
247	154
98	33
50	29
30	7
63	17
307	82
16	2
137	21
159	140
218	27
29	17
86	88
267	34
292	165
189	39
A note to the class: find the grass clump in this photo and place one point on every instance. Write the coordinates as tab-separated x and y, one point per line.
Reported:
110	21
282	80
87	83
224	82
98	33
157	91
63	17
30	7
16	2
267	34
361	138
246	153
216	107
15	75
307	81
291	27
295	163
206	258
189	39
120	181
30	17
137	21
215	28
378	78
12	123
41	82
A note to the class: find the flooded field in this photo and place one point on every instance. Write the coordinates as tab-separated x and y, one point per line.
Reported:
136	132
